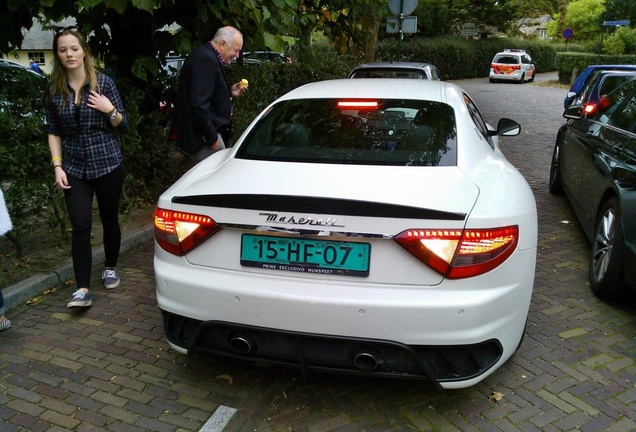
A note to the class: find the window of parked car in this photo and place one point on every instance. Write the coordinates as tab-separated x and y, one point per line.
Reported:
479	121
625	117
362	132
605	82
391	73
506	59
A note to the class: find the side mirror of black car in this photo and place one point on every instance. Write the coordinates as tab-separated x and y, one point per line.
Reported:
574	112
507	127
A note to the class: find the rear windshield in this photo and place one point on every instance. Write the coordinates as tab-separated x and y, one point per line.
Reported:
506	59
390	132
612	82
390	73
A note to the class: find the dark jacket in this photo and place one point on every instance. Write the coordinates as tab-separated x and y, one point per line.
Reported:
204	101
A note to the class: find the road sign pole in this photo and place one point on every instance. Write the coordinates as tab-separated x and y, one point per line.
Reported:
401	33
401	9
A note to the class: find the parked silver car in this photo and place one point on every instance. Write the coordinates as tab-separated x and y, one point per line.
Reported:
412	70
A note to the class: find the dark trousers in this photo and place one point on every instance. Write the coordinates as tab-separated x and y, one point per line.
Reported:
79	200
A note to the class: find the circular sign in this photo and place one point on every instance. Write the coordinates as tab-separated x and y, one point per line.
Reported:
568	33
408	6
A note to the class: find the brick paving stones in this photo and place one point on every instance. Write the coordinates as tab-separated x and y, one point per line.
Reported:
110	369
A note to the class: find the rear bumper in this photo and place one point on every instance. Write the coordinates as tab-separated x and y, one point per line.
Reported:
516	76
203	307
326	353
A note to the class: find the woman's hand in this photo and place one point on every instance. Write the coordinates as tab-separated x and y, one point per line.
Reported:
100	102
60	178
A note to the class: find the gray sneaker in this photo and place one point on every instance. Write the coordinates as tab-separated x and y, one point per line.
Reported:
111	278
80	299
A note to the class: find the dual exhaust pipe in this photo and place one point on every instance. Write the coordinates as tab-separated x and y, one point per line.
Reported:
366	360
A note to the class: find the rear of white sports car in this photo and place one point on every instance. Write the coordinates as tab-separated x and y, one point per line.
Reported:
383	257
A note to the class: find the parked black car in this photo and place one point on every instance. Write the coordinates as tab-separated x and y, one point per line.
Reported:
594	164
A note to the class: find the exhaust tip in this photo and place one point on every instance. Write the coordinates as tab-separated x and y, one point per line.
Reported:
367	360
242	344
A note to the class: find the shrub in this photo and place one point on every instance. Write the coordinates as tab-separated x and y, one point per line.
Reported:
26	173
621	41
570	64
152	163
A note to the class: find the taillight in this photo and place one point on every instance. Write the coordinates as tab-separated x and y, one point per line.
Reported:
457	254
510	67
358	104
589	108
179	232
605	102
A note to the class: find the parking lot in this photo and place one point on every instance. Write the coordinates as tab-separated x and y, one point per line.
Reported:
110	369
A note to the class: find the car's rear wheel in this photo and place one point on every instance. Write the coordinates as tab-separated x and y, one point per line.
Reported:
523	77
606	259
492	80
556	187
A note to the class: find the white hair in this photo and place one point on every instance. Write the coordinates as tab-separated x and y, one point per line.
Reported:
226	34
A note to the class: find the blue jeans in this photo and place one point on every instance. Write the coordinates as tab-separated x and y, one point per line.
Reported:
1	304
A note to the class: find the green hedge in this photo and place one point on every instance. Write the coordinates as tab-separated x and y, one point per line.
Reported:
570	64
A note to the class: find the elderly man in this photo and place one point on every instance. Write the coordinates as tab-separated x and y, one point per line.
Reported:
204	97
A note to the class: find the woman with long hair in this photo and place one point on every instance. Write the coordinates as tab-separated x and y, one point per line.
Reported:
84	112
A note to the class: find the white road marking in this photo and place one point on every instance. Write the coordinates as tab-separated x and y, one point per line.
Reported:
219	419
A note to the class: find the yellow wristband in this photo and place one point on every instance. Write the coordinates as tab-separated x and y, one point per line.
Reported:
56	158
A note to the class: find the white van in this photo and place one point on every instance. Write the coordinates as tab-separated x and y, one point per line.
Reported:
512	65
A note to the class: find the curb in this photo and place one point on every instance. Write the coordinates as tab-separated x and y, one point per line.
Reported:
18	294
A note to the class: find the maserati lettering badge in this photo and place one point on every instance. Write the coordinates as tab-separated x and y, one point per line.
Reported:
299	220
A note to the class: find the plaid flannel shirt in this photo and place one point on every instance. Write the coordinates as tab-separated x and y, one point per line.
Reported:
90	147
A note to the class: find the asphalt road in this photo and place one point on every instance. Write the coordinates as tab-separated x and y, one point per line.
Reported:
110	369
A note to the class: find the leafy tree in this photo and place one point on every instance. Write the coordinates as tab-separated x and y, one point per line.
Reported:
584	17
135	38
620	10
559	20
621	41
350	25
485	13
433	18
12	19
535	8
